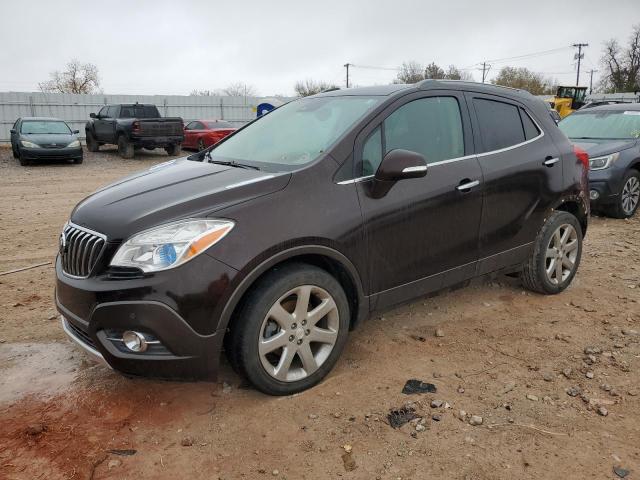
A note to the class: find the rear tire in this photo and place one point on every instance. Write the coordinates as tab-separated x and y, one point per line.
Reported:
125	147
273	311
629	197
556	255
92	143
173	149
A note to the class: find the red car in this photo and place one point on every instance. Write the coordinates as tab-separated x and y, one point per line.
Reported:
201	134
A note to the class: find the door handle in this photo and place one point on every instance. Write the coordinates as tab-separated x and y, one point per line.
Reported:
468	185
551	161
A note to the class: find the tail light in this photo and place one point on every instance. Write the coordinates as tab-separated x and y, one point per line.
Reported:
582	156
135	127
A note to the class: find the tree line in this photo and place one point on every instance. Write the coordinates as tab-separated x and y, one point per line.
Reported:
620	73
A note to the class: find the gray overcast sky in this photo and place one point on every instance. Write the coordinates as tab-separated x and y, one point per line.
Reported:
165	47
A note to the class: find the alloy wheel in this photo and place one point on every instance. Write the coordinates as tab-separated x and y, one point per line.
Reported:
298	333
630	195
201	145
562	252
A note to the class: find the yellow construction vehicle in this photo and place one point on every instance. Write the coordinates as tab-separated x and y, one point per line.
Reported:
568	99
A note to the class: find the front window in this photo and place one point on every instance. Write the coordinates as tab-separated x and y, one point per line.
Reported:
602	125
33	127
296	133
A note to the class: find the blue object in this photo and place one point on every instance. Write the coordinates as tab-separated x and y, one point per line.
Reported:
167	254
264	108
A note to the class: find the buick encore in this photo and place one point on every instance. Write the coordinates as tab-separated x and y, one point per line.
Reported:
276	242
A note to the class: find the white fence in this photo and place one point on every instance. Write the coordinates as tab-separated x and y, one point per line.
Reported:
75	108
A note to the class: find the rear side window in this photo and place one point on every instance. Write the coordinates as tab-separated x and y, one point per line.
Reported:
500	124
530	129
139	111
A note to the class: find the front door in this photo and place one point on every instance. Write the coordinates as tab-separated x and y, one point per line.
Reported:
423	234
102	125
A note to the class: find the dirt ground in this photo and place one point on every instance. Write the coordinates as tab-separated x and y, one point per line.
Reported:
513	358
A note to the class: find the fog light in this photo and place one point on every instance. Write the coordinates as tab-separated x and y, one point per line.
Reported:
134	341
594	195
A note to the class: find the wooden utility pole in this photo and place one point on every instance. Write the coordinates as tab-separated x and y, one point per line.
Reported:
579	56
347	65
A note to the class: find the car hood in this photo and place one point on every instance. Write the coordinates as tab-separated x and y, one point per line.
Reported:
598	148
49	139
169	191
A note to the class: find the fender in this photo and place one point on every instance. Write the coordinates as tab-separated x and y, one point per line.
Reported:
256	272
583	208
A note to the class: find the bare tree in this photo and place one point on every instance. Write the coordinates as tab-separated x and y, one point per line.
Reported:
413	72
311	87
622	64
203	93
454	73
410	72
524	79
240	89
76	78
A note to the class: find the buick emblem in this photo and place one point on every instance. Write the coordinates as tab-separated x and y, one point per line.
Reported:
62	248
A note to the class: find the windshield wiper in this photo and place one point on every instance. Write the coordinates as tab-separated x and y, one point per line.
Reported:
230	163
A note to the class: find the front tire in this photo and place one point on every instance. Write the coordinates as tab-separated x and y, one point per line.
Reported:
629	198
201	145
125	147
290	330
92	143
556	255
23	161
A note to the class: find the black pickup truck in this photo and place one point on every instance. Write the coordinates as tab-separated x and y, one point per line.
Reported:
132	127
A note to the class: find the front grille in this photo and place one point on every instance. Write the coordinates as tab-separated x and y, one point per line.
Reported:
80	250
81	334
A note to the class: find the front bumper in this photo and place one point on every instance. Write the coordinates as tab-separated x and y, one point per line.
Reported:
605	186
178	308
52	154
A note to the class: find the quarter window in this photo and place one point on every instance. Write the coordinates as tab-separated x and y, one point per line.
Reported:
429	126
530	128
500	124
372	153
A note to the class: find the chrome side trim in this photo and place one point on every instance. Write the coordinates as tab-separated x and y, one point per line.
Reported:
92	352
247	182
355	180
417	168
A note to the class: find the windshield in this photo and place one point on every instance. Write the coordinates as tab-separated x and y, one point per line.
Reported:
603	124
45	126
296	133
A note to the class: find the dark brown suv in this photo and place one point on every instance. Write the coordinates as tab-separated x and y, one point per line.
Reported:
277	241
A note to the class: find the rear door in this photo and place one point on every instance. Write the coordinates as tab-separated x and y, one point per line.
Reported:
423	234
522	178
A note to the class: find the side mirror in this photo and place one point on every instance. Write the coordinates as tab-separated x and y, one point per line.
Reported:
397	165
93	115
75	132
13	130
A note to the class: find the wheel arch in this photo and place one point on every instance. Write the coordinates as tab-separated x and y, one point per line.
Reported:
326	258
575	205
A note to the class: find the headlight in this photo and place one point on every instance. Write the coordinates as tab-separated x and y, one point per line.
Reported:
75	143
28	144
170	245
600	163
